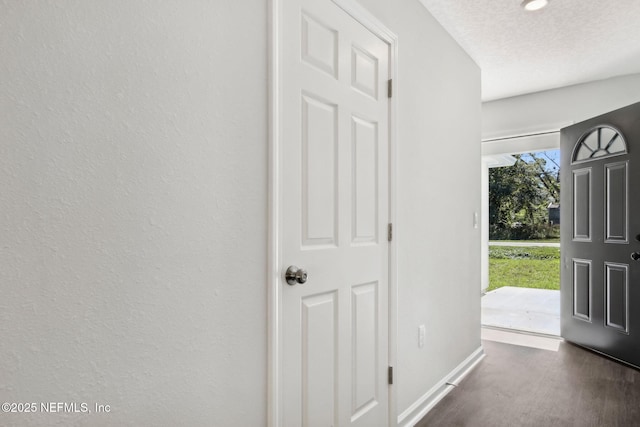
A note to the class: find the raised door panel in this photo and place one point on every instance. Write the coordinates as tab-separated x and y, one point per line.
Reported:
364	72
582	204
365	332
319	360
617	296
616	199
582	283
365	181
319	45
319	172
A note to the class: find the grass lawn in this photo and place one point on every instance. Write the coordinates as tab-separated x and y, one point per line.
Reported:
524	267
529	241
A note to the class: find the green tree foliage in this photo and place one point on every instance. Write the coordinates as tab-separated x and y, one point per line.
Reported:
519	196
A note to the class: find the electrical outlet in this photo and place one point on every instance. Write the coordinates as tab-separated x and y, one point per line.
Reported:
421	334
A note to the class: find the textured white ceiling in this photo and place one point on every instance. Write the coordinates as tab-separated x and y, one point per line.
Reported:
568	42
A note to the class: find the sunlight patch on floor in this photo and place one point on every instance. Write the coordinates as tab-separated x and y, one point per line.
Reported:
521	339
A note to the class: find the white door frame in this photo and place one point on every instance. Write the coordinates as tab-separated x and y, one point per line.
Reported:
274	286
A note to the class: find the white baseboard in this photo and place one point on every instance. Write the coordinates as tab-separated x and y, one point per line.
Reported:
424	404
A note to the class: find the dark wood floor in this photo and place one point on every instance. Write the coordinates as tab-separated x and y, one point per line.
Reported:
522	386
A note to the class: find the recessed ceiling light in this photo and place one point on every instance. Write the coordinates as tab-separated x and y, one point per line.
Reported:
534	4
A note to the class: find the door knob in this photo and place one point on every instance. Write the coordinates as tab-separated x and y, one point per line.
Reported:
635	256
296	275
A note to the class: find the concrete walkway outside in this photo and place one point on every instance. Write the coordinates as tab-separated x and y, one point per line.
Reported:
532	310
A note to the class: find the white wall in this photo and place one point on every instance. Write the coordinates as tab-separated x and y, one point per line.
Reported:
438	193
133	170
550	110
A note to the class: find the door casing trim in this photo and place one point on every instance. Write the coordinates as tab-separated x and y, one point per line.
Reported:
274	249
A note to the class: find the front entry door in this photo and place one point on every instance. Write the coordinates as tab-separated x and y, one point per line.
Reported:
600	226
335	209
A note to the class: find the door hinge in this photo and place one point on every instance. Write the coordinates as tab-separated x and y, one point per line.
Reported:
390	232
390	375
390	87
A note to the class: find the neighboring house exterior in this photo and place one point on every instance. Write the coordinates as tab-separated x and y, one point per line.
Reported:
554	213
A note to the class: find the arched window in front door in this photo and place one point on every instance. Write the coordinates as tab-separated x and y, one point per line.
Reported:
599	142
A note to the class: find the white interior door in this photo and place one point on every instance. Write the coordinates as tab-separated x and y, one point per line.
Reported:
335	210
